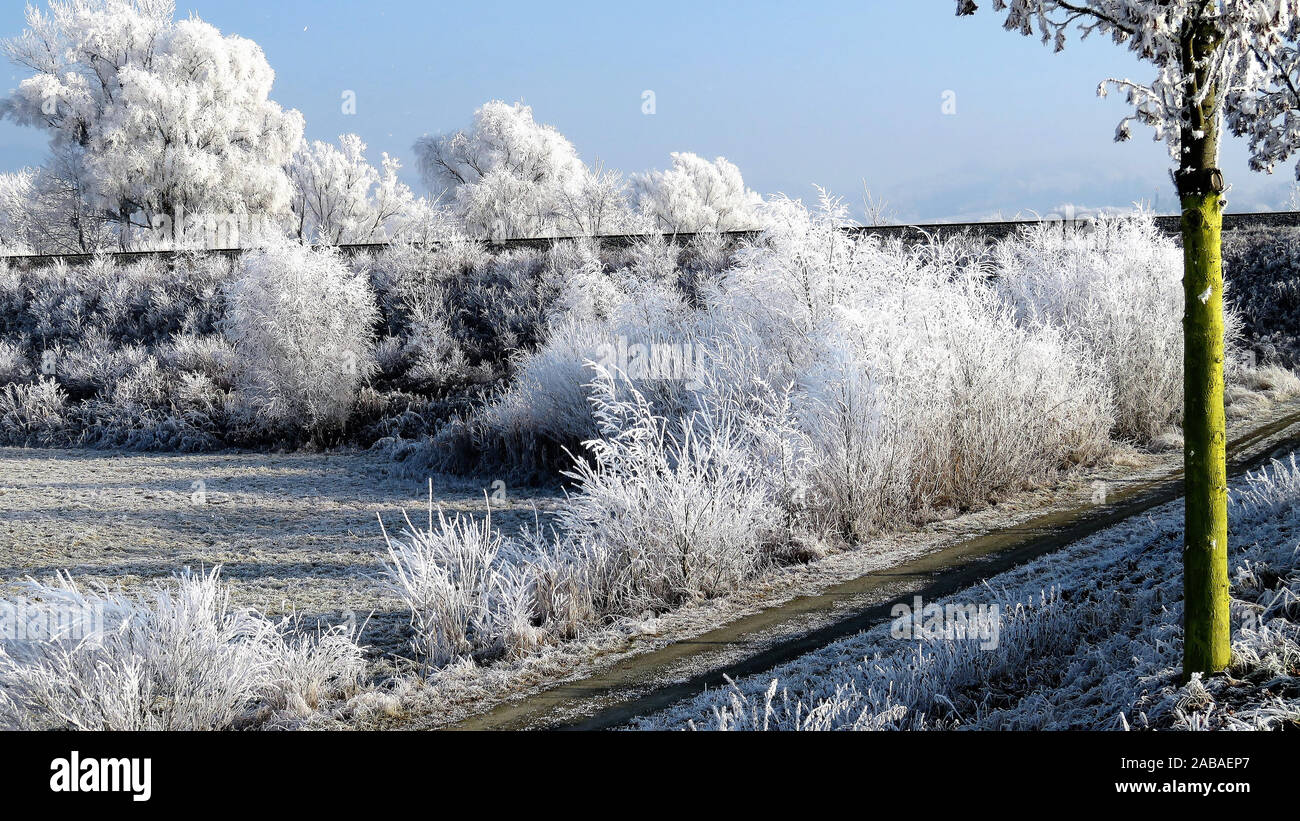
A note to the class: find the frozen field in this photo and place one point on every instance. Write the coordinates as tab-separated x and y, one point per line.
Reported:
299	532
291	531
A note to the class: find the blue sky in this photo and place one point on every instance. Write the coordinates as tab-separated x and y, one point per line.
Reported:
830	94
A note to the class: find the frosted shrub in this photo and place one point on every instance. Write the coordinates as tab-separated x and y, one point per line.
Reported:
180	658
653	257
309	667
546	410
465	597
584	291
666	513
704	259
542	417
410	274
502	305
33	414
943	418
677	507
998	406
426	347
211	356
13	364
458	314
840	385
796	276
1117	290
433	360
97	364
303	329
913	385
565	583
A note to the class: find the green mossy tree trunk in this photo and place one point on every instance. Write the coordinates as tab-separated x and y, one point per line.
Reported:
1206	631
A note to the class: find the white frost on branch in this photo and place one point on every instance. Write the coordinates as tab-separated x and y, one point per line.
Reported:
340	198
509	176
1255	66
153	115
697	195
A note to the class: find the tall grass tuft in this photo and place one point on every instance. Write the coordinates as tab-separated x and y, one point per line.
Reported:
180	658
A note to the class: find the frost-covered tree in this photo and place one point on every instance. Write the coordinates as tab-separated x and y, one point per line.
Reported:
157	116
597	203
509	176
339	197
42	211
1215	61
501	175
697	195
15	194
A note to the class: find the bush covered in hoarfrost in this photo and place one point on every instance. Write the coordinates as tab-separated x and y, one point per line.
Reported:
467	599
1118	290
35	413
181	658
659	517
302	328
672	510
905	383
914	389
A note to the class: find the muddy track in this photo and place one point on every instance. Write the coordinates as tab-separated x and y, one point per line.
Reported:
652	681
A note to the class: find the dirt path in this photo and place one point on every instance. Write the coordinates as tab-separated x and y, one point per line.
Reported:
292	531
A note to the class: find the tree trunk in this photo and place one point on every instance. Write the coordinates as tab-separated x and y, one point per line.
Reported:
1206	631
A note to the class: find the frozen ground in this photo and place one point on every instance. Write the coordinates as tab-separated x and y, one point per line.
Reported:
291	531
299	531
